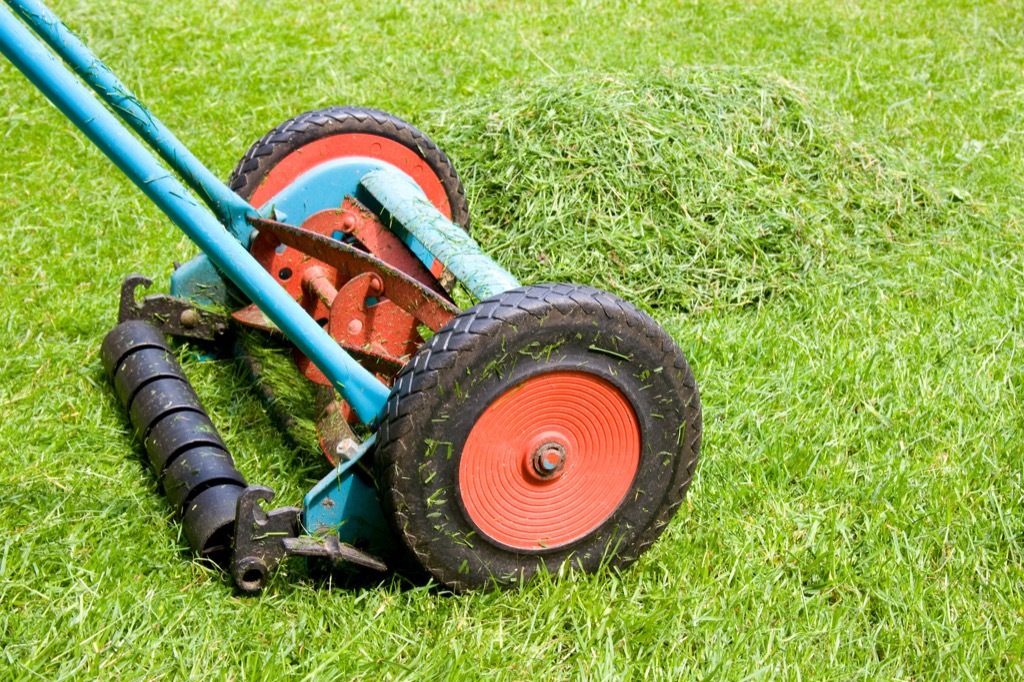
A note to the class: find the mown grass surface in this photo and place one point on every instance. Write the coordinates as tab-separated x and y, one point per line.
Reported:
846	240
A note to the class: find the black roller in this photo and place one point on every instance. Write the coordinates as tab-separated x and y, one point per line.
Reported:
186	451
141	367
159	399
195	471
177	433
127	337
209	521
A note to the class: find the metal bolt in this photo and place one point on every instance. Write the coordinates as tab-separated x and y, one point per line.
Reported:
347	448
548	459
376	285
189	318
348	223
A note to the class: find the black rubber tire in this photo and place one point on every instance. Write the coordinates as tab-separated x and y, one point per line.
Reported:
478	357
315	125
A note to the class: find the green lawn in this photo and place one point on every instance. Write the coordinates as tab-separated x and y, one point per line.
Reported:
819	201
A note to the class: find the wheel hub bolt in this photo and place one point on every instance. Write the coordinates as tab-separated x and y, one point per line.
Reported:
549	460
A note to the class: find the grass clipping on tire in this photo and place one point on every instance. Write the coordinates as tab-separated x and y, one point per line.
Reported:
690	189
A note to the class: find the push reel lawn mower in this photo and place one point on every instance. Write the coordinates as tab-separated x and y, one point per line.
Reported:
547	425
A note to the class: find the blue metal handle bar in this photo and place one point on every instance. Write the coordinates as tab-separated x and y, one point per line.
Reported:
230	208
409	207
359	387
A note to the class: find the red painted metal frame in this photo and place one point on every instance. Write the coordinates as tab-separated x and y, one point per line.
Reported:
372	306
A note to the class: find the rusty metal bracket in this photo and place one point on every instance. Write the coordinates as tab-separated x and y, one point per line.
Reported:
355	220
264	539
418	300
259	536
172	316
330	547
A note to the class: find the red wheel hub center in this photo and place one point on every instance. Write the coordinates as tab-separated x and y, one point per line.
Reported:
549	461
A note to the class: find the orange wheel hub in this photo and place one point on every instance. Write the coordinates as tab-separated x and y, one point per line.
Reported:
549	461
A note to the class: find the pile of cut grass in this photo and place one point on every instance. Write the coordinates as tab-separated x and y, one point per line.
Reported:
683	190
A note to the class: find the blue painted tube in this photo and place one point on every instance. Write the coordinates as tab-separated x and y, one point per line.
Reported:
359	387
448	242
230	208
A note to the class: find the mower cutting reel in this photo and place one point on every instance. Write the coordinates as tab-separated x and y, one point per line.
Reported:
546	426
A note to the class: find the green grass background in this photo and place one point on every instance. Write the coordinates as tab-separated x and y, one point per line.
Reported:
828	222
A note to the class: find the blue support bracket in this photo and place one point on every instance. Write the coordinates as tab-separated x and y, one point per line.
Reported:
342	503
200	282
